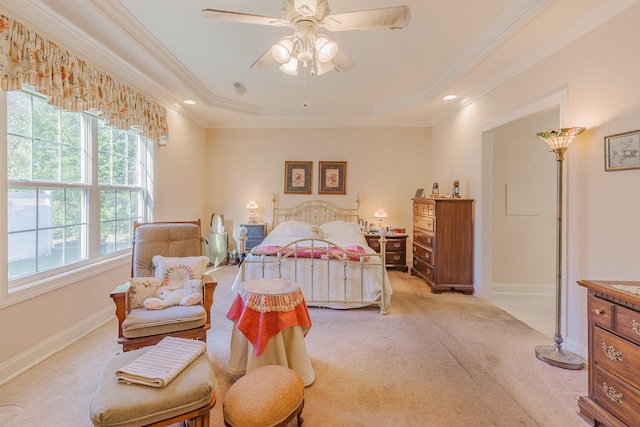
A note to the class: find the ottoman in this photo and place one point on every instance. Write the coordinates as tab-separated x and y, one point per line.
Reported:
190	396
266	397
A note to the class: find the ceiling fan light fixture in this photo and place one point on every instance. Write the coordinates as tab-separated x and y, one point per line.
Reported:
290	67
325	48
282	50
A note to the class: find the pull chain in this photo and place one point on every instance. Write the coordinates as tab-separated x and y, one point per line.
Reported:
304	91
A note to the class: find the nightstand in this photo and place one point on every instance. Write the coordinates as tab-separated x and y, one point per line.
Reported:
255	235
395	249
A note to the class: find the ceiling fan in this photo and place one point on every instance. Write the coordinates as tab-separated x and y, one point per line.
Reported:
305	46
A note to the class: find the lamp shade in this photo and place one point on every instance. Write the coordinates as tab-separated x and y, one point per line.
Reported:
252	205
282	50
290	67
325	48
559	139
380	213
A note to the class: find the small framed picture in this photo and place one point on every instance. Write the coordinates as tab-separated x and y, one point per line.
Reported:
332	178
297	177
622	151
419	193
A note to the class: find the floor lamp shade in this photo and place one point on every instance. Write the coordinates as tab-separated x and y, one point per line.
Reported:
558	140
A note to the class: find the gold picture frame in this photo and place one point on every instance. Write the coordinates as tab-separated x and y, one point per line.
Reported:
622	151
297	177
332	178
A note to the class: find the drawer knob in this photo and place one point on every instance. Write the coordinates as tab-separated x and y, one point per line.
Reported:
635	326
598	311
611	393
612	353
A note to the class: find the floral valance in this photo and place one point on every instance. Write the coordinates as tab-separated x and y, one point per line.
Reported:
26	58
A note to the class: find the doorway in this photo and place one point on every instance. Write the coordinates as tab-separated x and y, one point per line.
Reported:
519	219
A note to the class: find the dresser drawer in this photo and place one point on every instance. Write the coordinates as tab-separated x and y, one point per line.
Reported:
424	222
628	323
425	239
617	396
392	245
423	208
395	258
424	254
423	268
601	311
617	355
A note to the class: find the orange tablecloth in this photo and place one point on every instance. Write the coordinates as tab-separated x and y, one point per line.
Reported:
265	307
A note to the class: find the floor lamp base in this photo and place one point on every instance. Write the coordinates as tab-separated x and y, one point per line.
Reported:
557	356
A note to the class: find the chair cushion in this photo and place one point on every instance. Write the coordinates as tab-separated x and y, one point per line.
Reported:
169	240
116	404
263	397
142	322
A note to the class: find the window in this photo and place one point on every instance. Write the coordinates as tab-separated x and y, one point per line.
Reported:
65	206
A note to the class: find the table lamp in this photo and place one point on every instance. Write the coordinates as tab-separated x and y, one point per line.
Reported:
251	207
380	215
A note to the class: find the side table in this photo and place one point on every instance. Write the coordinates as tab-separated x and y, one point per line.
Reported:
271	320
255	235
395	250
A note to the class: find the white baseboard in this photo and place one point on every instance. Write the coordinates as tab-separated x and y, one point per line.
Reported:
20	363
540	289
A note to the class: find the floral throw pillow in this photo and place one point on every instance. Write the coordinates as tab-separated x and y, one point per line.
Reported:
179	269
141	289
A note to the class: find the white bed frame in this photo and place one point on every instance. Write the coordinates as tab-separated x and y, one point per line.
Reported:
318	212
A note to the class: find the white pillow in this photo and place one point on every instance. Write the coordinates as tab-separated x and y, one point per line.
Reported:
179	269
340	229
297	229
141	289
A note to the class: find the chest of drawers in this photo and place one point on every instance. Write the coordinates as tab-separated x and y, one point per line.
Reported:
443	243
255	235
395	249
614	354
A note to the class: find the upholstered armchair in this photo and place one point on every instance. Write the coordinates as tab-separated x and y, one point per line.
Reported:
164	253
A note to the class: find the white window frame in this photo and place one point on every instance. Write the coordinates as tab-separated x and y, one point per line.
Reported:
42	282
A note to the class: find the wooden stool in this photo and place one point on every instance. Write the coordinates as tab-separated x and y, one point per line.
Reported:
268	396
190	396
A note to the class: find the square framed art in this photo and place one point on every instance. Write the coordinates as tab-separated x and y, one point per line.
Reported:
622	151
332	178
297	177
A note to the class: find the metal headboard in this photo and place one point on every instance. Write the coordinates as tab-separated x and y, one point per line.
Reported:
315	212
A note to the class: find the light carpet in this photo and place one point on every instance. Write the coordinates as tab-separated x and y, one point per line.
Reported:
435	360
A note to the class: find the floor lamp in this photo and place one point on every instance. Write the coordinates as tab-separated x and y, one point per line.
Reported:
559	140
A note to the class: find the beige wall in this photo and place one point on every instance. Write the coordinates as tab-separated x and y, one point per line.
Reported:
40	326
384	166
603	94
524	219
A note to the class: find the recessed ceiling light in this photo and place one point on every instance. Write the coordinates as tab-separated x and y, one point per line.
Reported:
449	97
189	101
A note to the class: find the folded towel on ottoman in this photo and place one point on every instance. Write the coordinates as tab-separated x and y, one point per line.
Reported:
162	363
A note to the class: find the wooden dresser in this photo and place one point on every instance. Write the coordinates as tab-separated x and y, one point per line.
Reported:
395	249
614	354
443	243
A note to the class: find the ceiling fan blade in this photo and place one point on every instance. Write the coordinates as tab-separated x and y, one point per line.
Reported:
342	62
391	17
264	61
243	18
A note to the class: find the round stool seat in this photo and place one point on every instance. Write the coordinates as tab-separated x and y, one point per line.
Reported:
268	396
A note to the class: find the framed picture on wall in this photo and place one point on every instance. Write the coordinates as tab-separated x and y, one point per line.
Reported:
332	178
622	151
297	177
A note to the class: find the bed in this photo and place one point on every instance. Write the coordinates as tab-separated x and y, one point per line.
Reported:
320	247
